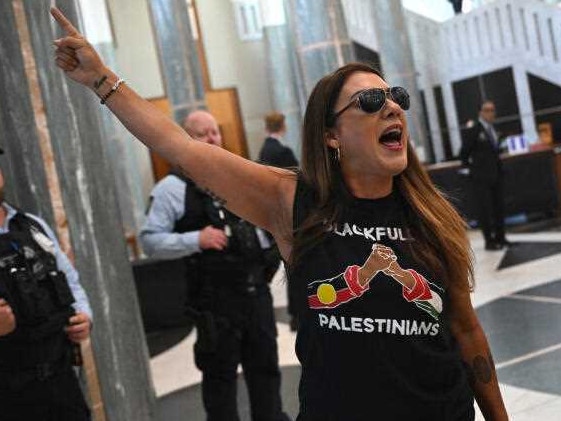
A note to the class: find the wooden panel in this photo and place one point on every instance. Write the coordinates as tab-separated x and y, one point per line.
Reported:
92	380
545	131
224	105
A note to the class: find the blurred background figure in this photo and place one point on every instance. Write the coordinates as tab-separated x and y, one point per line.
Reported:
480	153
457	5
273	152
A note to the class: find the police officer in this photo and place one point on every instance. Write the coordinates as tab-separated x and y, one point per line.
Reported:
44	312
233	306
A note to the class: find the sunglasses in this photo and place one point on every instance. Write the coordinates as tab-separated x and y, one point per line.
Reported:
373	100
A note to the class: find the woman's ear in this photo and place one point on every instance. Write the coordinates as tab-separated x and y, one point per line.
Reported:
332	140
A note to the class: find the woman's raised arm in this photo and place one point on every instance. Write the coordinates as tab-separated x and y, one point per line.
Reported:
260	194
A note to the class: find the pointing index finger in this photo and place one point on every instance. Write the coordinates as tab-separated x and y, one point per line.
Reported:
64	23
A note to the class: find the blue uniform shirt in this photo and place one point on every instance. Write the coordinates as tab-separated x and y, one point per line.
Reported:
168	206
81	304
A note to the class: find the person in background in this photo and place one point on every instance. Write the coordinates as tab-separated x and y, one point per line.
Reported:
230	265
480	154
457	6
275	153
44	313
388	332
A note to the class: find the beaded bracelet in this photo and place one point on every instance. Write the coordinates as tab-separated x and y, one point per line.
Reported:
113	89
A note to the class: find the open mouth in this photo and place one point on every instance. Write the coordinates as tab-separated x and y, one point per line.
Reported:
391	138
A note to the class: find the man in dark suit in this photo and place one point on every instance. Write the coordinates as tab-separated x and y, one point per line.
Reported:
480	153
273	152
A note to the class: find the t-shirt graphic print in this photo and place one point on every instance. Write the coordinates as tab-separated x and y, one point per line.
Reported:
349	285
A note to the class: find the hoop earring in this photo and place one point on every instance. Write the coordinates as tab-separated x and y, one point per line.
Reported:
338	154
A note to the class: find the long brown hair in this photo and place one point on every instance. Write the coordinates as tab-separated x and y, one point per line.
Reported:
440	233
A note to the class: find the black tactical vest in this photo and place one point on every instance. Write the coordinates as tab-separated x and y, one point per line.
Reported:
38	294
243	253
194	216
202	210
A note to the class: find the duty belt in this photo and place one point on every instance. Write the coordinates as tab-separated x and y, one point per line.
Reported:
15	378
245	287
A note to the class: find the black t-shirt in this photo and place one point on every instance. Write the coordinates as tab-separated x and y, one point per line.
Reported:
383	351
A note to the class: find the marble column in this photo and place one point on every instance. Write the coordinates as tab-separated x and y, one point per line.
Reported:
22	162
451	117
178	56
525	107
280	70
124	163
89	196
122	145
399	69
321	40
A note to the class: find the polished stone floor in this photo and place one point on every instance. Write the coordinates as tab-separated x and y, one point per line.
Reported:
518	300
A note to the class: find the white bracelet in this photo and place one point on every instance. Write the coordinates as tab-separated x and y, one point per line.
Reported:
113	89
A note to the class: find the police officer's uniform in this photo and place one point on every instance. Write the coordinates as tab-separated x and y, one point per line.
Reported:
233	306
37	381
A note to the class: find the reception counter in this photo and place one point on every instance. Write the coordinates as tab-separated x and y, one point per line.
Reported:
530	183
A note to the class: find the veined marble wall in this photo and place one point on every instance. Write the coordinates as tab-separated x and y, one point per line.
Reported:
127	165
396	56
321	40
71	118
178	57
233	62
282	77
22	163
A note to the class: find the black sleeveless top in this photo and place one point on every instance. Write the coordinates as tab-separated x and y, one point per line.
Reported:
383	351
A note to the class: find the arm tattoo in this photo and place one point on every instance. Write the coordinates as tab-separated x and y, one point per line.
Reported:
481	369
219	200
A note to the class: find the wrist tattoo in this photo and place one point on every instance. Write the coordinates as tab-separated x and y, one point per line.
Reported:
98	83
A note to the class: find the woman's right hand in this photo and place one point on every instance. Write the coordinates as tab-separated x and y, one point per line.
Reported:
7	318
379	260
75	55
